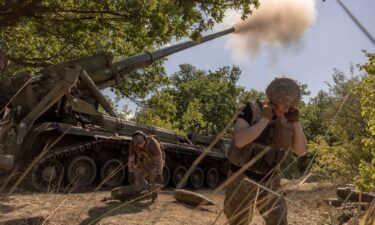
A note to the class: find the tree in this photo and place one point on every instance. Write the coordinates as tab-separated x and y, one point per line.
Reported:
193	117
160	110
38	33
251	95
366	179
313	117
338	143
204	98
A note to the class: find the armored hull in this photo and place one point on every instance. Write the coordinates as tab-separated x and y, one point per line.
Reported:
89	155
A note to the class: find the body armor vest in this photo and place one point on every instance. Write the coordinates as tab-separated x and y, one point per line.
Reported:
278	135
144	156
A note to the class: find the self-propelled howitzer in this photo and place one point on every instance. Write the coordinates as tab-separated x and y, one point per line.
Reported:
54	116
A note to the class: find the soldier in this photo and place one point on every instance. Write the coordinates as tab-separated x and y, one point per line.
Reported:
145	159
273	127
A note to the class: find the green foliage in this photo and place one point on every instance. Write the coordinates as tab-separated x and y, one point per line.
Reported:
138	84
251	95
333	161
160	110
217	91
193	115
38	33
338	126
313	115
202	99
366	178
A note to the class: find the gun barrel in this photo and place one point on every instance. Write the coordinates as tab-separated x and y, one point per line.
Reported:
147	58
144	59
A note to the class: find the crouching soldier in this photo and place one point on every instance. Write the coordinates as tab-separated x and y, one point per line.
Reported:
145	160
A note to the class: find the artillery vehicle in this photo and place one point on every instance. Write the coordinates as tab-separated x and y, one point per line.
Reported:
50	123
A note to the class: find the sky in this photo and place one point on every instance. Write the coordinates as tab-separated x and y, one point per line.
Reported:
333	41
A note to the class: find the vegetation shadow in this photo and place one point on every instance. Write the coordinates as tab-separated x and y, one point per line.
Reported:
4	209
37	220
114	208
192	207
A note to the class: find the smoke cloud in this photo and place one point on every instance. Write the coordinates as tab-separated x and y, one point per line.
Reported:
275	24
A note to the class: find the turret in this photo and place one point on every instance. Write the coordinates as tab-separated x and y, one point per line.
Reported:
104	71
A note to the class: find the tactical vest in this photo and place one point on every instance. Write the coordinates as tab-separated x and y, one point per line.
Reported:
162	147
277	135
144	156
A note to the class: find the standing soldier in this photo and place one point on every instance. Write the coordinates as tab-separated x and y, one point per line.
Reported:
272	127
145	161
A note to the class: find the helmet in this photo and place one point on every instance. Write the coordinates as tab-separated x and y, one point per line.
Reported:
283	90
139	132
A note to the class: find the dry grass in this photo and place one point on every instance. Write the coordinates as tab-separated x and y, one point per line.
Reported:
67	209
164	211
87	208
292	185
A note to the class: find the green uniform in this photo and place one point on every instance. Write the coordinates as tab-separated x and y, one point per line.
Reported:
239	203
241	195
146	163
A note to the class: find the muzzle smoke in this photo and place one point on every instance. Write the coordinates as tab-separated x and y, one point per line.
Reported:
276	23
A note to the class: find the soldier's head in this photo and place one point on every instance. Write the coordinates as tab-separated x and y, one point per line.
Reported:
139	139
284	93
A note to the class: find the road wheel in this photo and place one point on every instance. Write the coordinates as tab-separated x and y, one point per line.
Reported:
112	173
47	176
166	175
197	178
178	174
212	177
81	171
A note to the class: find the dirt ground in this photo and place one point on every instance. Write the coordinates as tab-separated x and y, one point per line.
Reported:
307	207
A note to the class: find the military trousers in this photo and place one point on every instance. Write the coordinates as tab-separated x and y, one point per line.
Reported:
242	197
145	173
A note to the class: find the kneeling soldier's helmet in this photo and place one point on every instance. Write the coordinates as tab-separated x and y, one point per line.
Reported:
139	138
283	90
139	132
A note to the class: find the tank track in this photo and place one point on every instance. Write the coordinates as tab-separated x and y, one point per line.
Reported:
56	155
183	156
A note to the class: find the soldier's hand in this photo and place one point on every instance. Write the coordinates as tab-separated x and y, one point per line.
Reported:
268	111
293	115
159	179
